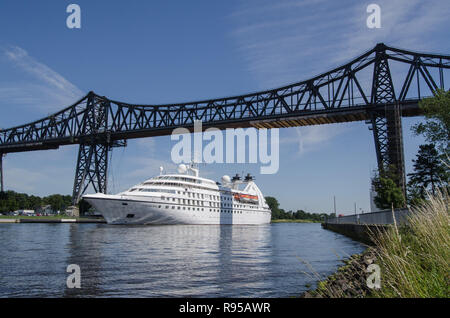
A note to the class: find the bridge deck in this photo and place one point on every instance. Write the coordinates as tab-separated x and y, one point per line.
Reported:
303	118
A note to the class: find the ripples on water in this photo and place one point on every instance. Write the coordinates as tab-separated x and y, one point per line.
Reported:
168	261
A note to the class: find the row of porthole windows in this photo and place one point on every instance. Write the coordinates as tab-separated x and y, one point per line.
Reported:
200	209
207	196
201	203
185	201
184	208
200	195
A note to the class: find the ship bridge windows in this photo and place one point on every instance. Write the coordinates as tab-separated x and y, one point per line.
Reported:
200	185
181	178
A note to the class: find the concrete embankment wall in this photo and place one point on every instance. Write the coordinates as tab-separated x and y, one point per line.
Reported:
360	227
52	220
9	221
358	232
381	217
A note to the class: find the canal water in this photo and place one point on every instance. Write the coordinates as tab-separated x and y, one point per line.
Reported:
276	260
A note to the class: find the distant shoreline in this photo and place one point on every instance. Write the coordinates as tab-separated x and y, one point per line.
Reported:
67	219
293	221
8	219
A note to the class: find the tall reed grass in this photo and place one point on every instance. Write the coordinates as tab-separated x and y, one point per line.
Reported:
415	258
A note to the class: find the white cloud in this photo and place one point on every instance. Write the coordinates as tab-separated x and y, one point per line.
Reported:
147	144
408	24
312	138
40	172
289	41
45	88
22	180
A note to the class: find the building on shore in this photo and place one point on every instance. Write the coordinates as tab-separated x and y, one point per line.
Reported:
25	212
45	210
72	211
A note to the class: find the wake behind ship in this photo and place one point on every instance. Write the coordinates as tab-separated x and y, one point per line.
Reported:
185	198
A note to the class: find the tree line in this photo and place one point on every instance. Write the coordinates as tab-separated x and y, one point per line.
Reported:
431	167
278	213
12	201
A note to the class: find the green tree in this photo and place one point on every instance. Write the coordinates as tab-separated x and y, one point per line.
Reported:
278	213
388	192
274	206
56	202
436	128
429	172
84	206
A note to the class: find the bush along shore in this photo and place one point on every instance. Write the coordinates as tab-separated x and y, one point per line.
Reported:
414	259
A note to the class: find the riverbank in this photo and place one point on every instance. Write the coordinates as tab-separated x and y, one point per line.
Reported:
413	260
349	279
293	221
49	219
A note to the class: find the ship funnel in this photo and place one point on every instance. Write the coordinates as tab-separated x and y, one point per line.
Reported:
249	178
236	178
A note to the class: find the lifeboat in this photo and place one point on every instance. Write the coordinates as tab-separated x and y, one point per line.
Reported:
248	198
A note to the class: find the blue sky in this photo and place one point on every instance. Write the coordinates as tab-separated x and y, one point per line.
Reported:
172	51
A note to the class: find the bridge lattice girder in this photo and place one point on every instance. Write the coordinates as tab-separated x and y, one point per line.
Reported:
342	94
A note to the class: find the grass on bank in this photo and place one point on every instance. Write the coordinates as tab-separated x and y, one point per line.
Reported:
415	259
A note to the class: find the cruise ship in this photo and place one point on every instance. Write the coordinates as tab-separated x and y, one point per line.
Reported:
185	198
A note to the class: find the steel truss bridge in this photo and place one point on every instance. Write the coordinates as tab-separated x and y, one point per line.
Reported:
368	88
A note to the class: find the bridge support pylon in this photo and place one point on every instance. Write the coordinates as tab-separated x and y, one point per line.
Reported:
387	124
2	189
387	133
92	169
92	163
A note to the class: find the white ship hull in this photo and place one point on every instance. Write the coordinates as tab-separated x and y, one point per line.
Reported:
117	209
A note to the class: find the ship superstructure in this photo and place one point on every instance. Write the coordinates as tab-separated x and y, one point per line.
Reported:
185	198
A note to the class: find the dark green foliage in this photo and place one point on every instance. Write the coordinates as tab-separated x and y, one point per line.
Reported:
429	172
436	129
278	213
12	201
389	194
431	169
84	206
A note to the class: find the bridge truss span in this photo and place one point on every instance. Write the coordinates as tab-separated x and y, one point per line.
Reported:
379	87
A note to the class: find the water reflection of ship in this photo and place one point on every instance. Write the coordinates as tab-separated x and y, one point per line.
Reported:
245	254
85	249
171	261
